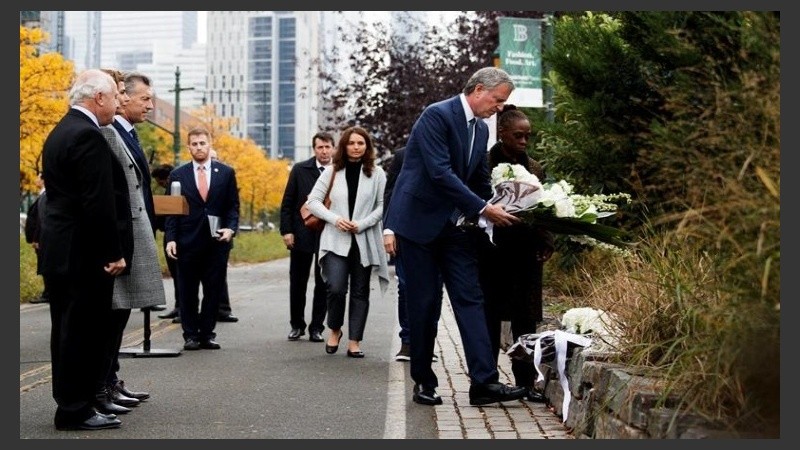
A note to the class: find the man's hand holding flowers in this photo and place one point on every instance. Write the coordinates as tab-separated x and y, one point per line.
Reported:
554	207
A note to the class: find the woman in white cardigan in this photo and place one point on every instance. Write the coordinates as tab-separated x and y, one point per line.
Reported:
351	244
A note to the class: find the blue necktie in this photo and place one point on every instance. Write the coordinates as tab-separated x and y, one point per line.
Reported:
470	137
456	214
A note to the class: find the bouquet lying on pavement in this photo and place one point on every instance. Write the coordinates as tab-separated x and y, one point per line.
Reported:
554	207
583	327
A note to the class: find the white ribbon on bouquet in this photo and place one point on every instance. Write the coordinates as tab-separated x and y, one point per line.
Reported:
561	340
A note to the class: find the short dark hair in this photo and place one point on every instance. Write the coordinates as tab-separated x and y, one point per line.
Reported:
323	136
131	77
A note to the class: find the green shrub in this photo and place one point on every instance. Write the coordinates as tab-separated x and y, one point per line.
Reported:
699	302
30	284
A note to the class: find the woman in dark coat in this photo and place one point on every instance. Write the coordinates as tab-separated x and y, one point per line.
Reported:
511	270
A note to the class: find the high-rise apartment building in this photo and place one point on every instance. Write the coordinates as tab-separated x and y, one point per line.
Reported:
148	41
192	65
260	72
50	21
130	38
257	67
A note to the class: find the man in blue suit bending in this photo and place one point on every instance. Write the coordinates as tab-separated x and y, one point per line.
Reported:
201	241
444	175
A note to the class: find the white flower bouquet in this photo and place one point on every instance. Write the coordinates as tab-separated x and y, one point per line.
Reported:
555	207
599	324
585	320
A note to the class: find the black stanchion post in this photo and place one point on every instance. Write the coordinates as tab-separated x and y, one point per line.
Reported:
145	351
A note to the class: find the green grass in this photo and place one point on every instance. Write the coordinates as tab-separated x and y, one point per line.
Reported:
254	247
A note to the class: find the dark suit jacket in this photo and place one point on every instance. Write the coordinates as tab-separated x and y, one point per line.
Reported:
144	168
191	231
391	177
88	219
32	223
33	228
435	178
301	180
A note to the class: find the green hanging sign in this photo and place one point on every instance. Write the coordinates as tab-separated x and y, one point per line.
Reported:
520	54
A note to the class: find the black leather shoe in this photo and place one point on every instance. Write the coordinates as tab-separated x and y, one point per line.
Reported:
138	395
535	396
483	394
41	299
355	354
96	422
331	349
426	396
107	416
119	398
210	345
156	308
170	315
191	344
315	336
227	318
295	334
177	320
104	404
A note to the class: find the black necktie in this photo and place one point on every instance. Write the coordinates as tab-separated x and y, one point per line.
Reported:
321	169
470	136
135	136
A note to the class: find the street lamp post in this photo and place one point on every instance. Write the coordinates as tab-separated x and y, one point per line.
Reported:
176	138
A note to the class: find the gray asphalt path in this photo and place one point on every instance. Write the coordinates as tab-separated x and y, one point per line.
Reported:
262	386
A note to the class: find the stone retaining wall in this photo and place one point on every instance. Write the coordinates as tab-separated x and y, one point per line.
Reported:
610	401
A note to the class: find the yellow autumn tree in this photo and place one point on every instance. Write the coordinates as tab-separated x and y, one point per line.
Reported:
44	80
261	180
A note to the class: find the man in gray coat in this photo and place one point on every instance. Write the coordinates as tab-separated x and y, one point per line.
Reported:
142	287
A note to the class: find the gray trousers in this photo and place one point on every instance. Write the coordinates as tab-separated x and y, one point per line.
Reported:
338	271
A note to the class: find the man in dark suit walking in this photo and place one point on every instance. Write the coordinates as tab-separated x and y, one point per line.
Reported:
87	240
303	244
444	175
201	240
404	354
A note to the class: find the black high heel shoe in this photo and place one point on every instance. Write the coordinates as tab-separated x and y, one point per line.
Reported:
331	349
